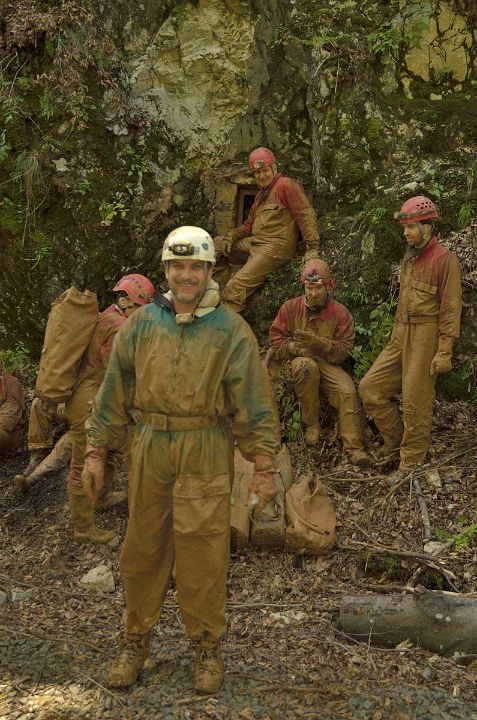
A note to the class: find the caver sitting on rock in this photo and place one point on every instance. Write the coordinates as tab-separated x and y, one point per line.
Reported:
11	408
315	333
268	238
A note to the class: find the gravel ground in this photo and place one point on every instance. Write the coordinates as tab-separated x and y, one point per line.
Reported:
285	657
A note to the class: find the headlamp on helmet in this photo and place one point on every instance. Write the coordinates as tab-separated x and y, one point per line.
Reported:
317	272
416	209
260	158
189	242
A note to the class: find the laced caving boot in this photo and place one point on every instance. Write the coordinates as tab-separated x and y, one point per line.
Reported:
209	668
128	664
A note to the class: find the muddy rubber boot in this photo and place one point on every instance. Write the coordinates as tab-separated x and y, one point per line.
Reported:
401	474
128	664
312	434
209	668
114	498
107	498
36	457
81	509
55	461
360	458
387	455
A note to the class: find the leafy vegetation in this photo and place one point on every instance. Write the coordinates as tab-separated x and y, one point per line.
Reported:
17	358
373	337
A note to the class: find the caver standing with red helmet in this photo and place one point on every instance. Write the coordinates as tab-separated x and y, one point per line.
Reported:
315	333
426	324
133	291
268	238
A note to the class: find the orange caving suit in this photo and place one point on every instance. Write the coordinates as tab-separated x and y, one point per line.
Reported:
93	366
94	363
429	309
268	238
184	381
321	374
11	408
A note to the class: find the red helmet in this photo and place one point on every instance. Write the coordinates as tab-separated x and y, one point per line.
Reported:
138	288
260	158
317	272
417	209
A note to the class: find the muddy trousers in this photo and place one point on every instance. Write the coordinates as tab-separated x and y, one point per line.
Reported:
258	264
179	510
41	423
10	439
404	364
315	377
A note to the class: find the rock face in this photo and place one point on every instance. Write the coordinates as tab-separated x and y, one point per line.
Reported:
120	122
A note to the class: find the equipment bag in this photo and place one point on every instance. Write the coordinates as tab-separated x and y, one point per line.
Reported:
69	329
268	529
311	518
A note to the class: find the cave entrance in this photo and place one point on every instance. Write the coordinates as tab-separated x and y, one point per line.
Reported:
245	197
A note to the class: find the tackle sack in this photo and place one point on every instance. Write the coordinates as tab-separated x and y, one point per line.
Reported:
311	517
268	529
240	512
69	329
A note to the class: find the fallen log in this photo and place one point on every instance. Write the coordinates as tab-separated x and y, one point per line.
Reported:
443	622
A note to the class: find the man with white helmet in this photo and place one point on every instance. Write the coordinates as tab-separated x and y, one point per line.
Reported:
268	238
315	333
189	365
426	324
133	291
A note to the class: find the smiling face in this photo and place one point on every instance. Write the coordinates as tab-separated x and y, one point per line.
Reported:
264	176
187	282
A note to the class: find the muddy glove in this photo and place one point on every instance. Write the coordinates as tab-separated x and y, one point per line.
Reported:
92	476
262	487
223	243
295	349
315	343
442	361
310	255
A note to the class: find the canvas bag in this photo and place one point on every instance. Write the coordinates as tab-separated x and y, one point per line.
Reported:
69	329
310	516
267	530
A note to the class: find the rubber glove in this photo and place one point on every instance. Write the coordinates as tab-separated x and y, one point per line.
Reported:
92	476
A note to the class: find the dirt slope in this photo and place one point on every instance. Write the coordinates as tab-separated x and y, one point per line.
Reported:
285	658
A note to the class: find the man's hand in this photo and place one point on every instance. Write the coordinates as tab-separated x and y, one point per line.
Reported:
262	486
295	349
310	255
317	343
92	476
441	363
223	244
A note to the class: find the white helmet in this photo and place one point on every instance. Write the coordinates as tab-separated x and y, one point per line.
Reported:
188	242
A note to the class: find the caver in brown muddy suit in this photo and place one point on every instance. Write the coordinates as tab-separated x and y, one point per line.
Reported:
11	408
316	333
268	238
427	321
189	363
133	291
